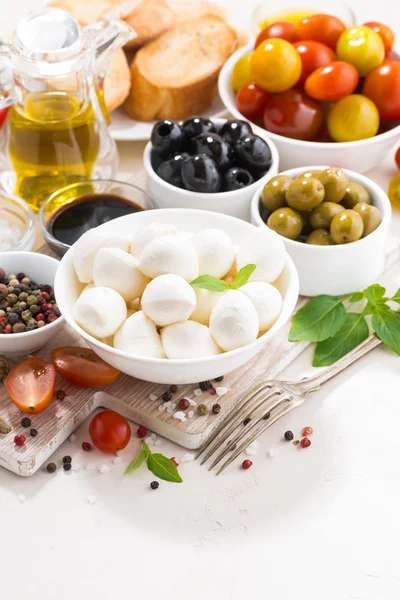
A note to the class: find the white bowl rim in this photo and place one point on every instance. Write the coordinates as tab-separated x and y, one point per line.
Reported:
386	216
231	107
30	220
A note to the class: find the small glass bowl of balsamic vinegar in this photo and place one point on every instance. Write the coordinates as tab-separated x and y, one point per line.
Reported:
71	211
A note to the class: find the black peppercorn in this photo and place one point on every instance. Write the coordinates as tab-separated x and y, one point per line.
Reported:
219	379
246	421
66	459
12	318
166	397
67	466
173	389
26	422
154	485
20	276
33	432
205	386
47	288
51	468
288	436
216	409
267	416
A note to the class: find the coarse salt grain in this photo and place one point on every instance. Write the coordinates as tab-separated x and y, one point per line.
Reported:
180	416
90	467
153	397
59	415
72	438
76	467
168	404
153	436
91	499
169	410
251	450
191	414
161	408
117	460
173	405
158	443
191	402
197	392
188	457
273	452
221	391
21	498
149	441
104	469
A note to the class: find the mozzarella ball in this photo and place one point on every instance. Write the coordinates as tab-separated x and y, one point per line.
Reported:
234	321
215	250
188	340
264	248
86	248
267	301
100	311
144	235
138	335
185	235
119	271
205	302
168	299
169	254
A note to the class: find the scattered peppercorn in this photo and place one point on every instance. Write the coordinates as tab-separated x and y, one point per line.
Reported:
166	396
288	436
307	431
173	389
246	464
33	432
67	466
86	446
19	440
154	485
141	432
26	422
202	409
219	379
305	442
216	409
184	404
296	442
60	394
267	416
246	421
51	468
67	459
213	391
205	386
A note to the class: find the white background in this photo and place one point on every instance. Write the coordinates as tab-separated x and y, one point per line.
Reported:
321	523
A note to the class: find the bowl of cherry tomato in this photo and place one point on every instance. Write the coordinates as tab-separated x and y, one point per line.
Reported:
324	92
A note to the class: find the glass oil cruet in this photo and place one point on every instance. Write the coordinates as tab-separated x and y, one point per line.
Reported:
51	76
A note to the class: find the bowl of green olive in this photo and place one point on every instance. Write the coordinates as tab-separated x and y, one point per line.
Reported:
334	224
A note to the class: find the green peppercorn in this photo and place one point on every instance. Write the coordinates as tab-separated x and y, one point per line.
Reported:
202	409
22	305
14	282
31	300
32	324
2	313
23	296
18	328
12	299
26	281
41	324
3	290
26	315
34	309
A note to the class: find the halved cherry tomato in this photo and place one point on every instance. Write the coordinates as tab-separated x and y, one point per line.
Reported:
3	115
280	29
30	385
385	32
82	367
382	86
397	157
322	28
109	431
293	114
362	47
251	101
332	82
275	65
313	55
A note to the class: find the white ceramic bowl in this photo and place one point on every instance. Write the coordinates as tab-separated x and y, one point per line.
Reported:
235	204
344	268
39	268
67	289
359	156
17	212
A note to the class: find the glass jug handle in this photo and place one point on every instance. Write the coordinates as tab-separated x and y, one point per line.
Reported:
7	93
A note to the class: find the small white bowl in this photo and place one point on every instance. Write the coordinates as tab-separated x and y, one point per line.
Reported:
17	212
39	268
170	371
359	156
341	269
236	203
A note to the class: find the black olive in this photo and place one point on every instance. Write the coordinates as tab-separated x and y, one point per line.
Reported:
167	138
196	126
170	170
253	153
200	174
235	129
236	179
212	145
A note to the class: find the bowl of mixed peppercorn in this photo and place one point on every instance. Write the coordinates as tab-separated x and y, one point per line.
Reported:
29	315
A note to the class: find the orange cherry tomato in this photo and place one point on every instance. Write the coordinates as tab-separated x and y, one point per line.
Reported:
322	28
251	101
397	157
109	431
382	86
313	55
279	29
82	367
293	114
30	385
332	82
385	32
275	65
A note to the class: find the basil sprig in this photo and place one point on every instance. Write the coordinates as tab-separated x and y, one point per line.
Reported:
161	466
208	282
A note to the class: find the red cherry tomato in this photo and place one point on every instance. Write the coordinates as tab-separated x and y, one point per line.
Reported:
279	29
322	28
3	115
313	55
109	431
293	114
382	86
397	157
30	385
251	101
82	367
385	32
332	81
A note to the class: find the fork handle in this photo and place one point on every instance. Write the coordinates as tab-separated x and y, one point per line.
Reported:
311	384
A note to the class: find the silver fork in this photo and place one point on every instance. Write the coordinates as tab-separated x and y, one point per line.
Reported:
265	404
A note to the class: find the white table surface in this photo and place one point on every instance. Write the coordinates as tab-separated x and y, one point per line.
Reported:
310	524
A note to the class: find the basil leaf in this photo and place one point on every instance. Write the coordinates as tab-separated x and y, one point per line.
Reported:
244	274
356	297
208	282
139	460
163	468
396	297
354	331
386	324
318	320
375	294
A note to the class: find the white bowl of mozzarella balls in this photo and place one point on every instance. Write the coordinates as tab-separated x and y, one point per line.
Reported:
128	288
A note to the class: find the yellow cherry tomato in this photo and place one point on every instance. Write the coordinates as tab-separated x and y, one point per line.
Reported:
275	65
241	72
362	47
353	118
394	190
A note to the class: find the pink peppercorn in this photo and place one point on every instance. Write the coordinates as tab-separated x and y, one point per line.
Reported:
19	440
40	317
307	431
51	318
246	464
45	295
172	459
86	446
184	404
141	432
305	442
213	391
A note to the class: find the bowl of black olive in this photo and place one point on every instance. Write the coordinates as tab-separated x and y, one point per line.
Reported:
210	165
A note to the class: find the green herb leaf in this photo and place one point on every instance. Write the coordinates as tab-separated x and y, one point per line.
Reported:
208	282
375	294
356	297
386	324
244	274
139	460
163	468
396	297
321	318
354	331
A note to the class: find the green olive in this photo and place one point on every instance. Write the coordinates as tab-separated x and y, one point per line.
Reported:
335	182
370	215
347	227
286	222
355	193
321	217
320	237
273	194
309	174
305	193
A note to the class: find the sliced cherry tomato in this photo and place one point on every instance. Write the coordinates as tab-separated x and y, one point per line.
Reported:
280	29
353	118
362	47
109	431
382	86
322	28
251	101
275	65
313	55
397	157
3	115
293	114
30	385
82	367
241	75
332	82
385	32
